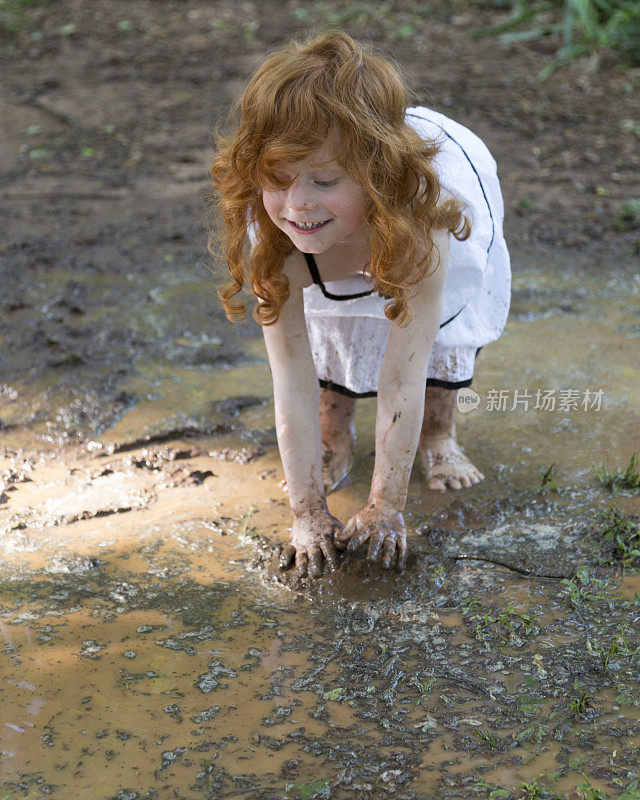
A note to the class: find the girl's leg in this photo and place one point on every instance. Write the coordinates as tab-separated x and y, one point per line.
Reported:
338	436
444	463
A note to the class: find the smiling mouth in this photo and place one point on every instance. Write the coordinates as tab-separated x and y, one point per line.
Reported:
307	227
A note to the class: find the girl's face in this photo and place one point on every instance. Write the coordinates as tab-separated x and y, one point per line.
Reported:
321	207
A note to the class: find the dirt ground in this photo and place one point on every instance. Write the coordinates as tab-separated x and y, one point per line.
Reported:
151	649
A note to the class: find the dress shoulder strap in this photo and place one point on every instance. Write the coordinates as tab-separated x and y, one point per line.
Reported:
315	277
313	268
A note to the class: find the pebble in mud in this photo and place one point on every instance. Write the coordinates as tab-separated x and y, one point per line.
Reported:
243	455
91	649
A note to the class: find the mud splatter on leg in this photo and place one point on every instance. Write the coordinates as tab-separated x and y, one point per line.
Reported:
338	436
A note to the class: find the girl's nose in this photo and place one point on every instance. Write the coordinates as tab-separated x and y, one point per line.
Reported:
300	197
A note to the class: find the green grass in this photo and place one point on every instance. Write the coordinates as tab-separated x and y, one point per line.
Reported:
622	536
583	27
15	15
629	479
582	703
317	788
628	216
486	736
546	478
505	626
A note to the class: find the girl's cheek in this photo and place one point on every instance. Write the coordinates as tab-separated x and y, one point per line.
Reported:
271	205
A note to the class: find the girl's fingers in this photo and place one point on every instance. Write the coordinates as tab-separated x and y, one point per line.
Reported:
402	552
388	551
357	539
375	545
340	544
287	557
315	563
343	536
330	554
301	562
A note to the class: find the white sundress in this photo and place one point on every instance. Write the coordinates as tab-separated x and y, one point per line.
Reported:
348	335
347	328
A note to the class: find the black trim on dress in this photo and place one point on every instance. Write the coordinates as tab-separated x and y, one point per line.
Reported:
336	387
315	277
453	385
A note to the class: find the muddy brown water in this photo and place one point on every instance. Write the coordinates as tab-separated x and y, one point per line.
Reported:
150	646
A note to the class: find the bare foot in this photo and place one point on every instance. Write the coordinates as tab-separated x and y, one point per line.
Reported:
443	460
446	466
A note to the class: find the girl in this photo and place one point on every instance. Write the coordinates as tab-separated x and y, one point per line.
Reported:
379	266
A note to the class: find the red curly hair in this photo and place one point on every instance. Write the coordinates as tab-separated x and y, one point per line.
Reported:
329	88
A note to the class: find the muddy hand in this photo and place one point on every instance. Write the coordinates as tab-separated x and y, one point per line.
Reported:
312	537
383	529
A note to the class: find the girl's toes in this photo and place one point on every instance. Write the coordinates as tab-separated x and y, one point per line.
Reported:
466	481
437	485
454	483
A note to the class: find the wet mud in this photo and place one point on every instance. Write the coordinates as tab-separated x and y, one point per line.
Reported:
151	647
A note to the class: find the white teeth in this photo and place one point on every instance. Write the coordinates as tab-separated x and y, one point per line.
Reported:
307	226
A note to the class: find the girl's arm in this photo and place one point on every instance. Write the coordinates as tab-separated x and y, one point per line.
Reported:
297	399
401	396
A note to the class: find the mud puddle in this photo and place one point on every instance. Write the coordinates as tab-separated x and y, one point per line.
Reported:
151	647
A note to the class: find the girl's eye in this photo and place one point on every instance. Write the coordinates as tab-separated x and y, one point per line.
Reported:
326	184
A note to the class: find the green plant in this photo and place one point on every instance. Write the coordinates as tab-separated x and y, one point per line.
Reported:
15	15
507	624
619	645
546	479
497	793
531	791
622	536
629	479
245	531
632	792
307	790
628	215
486	736
606	654
584	586
581	704
590	792
582	26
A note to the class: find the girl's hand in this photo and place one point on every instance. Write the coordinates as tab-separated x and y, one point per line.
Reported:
312	537
383	527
